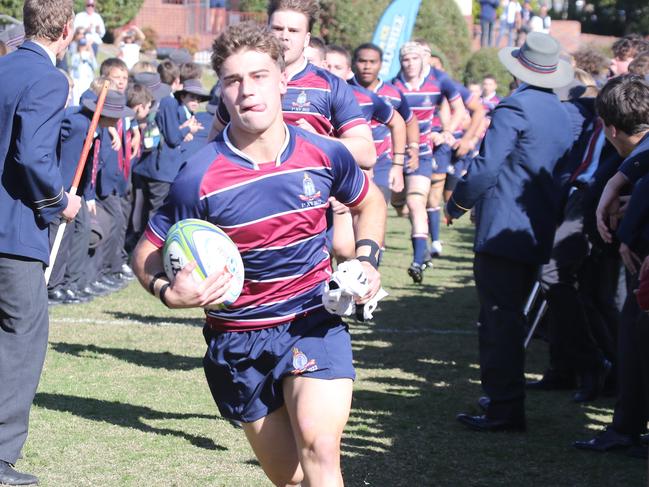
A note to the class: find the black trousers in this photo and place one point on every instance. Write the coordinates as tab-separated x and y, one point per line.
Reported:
153	193
572	345
503	288
632	406
23	342
57	276
76	273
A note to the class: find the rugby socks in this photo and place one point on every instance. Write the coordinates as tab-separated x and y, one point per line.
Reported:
419	248
433	222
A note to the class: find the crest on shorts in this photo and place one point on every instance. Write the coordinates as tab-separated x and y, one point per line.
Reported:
308	189
301	363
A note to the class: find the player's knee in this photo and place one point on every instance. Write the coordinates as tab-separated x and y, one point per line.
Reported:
325	451
285	477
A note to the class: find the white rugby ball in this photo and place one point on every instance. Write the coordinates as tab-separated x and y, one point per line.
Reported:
210	247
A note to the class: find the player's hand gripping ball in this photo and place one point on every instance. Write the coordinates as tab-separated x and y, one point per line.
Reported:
210	247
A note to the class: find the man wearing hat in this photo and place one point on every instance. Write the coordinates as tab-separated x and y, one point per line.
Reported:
510	184
31	196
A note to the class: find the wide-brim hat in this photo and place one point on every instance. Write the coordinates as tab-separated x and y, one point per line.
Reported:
195	87
180	56
114	105
152	81
537	62
13	36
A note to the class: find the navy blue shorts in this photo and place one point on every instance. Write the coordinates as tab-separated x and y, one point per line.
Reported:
245	369
442	158
425	168
381	173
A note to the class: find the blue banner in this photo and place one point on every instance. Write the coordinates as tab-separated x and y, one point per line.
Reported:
392	31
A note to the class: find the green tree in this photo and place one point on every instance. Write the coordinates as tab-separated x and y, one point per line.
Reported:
352	22
14	8
485	62
612	17
116	13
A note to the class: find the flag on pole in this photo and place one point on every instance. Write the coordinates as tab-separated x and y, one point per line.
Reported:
395	28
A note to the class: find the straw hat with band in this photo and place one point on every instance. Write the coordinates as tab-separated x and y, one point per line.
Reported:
114	106
195	87
537	62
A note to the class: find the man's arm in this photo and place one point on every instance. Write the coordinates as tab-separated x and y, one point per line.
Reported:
507	123
465	144
608	206
39	114
359	142
370	215
184	291
398	132
412	140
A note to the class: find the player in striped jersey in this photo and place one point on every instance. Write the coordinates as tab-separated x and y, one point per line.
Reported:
276	360
387	125
424	94
367	61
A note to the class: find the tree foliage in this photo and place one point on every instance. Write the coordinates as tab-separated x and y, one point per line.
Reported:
612	17
13	8
485	62
116	13
352	22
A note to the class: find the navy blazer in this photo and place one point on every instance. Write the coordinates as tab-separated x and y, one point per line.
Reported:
165	163
488	9
74	129
511	181
111	179
200	137
32	101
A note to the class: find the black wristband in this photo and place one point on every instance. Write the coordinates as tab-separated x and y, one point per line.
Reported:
396	164
159	275
163	290
398	153
375	251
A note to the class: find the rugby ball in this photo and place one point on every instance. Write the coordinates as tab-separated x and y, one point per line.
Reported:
210	247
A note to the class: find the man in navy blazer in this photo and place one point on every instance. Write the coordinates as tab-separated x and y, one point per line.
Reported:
516	202
31	196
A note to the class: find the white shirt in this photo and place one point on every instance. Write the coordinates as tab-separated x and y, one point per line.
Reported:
47	50
130	54
82	19
538	24
511	9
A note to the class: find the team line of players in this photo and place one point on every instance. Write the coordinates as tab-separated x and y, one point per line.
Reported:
425	127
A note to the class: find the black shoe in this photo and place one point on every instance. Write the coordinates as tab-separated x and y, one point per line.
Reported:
55	297
482	423
591	383
10	476
127	272
608	439
111	281
94	291
552	380
416	271
85	294
99	288
70	297
484	403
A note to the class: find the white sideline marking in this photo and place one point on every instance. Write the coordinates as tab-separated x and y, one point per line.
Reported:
82	321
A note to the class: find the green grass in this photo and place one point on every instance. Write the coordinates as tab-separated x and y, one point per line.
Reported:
123	400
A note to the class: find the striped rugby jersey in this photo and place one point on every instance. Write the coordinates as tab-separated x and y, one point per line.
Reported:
275	215
319	97
378	114
424	100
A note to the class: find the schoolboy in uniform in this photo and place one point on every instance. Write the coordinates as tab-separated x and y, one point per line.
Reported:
293	412
31	196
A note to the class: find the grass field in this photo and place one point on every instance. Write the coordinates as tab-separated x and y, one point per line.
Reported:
123	400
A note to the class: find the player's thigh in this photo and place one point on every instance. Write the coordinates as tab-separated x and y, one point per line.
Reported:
417	188
436	190
273	442
319	410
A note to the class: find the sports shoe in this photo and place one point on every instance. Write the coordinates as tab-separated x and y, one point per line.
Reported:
416	271
428	260
436	248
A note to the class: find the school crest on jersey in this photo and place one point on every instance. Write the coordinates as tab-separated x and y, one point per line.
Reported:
302	103
310	195
301	363
427	102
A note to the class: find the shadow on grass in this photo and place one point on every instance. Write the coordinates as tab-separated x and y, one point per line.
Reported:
154	360
125	415
156	320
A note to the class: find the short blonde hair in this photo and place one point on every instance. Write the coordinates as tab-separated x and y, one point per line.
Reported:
309	8
45	19
247	36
